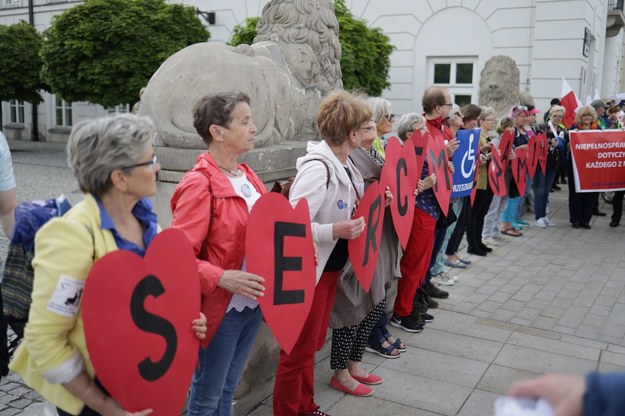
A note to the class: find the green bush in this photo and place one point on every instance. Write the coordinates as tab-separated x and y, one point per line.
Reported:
105	51
365	52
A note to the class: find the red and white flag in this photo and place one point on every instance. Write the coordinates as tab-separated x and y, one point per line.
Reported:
569	101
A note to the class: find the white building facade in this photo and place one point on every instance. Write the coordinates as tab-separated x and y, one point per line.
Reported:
442	42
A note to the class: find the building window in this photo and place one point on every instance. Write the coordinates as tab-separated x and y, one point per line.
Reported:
458	75
11	3
119	109
16	111
63	113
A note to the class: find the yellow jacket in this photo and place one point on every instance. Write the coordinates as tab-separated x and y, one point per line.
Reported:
65	248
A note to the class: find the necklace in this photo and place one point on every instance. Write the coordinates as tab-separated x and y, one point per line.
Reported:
232	172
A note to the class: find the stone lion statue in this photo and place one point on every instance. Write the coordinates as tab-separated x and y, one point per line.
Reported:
292	64
499	84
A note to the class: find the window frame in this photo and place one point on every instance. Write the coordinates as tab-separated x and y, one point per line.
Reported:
17	113
461	89
66	109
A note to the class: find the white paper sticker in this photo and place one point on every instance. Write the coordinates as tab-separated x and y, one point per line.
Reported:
67	296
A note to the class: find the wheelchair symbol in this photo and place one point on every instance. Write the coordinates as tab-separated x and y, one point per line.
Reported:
468	158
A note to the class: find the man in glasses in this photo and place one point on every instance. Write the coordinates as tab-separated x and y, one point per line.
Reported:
416	259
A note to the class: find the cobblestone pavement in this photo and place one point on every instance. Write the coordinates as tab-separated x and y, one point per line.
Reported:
552	300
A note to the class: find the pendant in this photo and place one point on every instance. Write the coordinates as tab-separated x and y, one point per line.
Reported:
246	190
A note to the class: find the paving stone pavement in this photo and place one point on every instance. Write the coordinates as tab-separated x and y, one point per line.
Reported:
550	301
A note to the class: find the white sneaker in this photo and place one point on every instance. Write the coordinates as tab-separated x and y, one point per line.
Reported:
443	279
490	241
542	222
549	222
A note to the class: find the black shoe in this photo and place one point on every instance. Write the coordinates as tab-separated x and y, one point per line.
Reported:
586	226
419	304
432	304
575	225
599	213
435	292
556	187
427	318
613	224
485	248
551	190
407	323
477	251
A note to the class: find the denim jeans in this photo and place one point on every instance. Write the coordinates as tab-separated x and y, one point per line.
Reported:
542	186
221	364
438	266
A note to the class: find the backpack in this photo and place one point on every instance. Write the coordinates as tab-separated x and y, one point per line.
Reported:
16	284
284	187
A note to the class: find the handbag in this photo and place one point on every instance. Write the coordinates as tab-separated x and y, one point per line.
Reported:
445	221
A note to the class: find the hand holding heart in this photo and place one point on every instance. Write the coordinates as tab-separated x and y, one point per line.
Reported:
242	283
348	229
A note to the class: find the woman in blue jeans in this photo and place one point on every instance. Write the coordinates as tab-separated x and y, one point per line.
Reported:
557	135
211	206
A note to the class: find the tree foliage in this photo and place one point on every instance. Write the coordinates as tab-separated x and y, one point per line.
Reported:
105	51
365	52
244	33
20	63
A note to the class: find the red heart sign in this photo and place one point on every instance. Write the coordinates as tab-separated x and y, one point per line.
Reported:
137	314
533	156
437	163
421	143
543	147
401	176
496	177
519	168
505	147
365	249
279	247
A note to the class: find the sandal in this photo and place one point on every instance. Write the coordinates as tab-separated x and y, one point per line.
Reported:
399	346
386	352
511	232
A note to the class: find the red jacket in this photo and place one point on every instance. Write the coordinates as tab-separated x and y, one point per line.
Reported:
214	219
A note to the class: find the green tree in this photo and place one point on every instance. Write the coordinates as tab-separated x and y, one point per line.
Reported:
244	33
365	52
105	51
20	63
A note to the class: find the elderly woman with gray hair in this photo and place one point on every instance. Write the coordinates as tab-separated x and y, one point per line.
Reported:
383	119
114	162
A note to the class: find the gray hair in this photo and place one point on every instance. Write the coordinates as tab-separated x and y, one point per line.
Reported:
216	109
381	108
487	111
406	123
455	109
96	148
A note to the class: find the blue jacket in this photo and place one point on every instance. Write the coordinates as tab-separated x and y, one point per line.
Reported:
604	394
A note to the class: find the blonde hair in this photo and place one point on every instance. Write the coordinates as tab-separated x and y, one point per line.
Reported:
341	113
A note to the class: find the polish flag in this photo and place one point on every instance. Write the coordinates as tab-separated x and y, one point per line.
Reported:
569	101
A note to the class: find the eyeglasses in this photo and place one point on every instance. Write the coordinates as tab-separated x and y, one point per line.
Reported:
390	117
556	116
448	104
152	163
459	115
366	129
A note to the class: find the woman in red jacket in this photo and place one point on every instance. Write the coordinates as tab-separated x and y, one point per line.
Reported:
211	205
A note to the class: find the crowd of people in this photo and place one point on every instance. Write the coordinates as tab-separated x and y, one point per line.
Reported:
115	165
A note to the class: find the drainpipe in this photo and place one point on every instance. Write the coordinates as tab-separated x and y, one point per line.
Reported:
34	134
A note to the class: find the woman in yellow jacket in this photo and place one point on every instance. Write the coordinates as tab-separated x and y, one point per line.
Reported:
115	165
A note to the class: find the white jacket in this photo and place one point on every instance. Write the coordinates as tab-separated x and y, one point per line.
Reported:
327	205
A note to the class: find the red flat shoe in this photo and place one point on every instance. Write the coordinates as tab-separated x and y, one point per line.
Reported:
361	390
371	379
